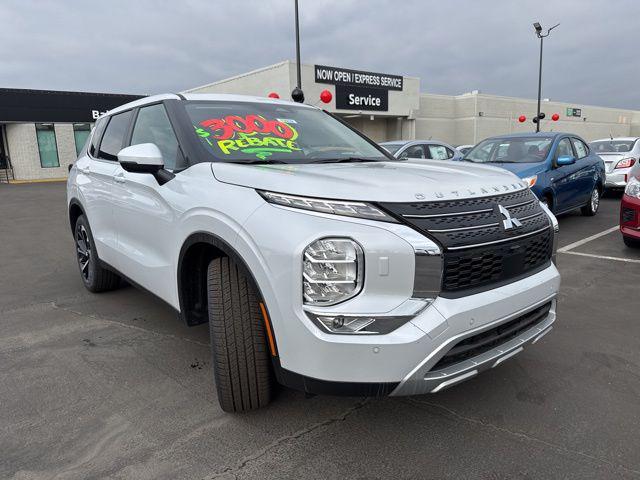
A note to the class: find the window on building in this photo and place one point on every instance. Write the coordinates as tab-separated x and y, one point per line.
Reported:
47	146
81	133
113	138
153	126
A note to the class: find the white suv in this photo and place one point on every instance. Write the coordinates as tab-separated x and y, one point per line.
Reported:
317	258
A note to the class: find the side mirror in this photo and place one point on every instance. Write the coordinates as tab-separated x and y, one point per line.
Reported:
141	158
565	160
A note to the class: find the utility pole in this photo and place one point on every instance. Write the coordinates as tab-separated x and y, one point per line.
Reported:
298	95
539	115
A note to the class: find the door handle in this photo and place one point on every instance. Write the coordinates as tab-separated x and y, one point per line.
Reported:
84	170
119	178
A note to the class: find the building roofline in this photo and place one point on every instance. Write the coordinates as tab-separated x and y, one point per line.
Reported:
65	92
235	77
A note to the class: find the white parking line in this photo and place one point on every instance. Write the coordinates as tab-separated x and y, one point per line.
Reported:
573	245
604	257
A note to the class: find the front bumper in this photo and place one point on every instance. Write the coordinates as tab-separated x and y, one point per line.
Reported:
630	217
425	380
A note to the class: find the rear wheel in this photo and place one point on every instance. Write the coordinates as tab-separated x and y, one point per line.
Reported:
93	275
241	362
631	242
591	208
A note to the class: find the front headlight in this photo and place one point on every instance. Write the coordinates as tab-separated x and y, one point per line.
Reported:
531	181
332	271
334	207
633	187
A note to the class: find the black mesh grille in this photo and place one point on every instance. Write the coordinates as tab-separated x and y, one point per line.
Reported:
482	266
489	339
478	250
628	214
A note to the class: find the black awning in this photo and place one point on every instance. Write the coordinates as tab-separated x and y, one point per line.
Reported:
20	105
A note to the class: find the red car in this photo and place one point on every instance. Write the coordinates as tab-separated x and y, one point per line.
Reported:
630	210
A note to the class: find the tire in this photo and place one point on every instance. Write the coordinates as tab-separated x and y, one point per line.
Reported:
241	361
631	242
547	203
94	277
591	208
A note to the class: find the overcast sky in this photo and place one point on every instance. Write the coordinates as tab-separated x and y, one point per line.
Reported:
454	46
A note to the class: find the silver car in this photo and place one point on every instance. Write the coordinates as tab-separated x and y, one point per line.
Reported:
619	155
427	149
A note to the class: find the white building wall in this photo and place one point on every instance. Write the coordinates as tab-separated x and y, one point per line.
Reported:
24	155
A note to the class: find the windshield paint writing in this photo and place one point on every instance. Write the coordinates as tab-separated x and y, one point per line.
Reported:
251	134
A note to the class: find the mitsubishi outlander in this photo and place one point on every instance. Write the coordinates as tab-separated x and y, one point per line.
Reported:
319	260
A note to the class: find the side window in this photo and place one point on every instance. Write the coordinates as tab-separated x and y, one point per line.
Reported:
113	138
97	132
581	149
564	148
439	152
450	153
153	126
414	151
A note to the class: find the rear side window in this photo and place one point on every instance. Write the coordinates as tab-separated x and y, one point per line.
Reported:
439	152
113	138
153	126
581	149
97	132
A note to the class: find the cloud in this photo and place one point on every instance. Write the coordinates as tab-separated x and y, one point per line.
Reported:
151	46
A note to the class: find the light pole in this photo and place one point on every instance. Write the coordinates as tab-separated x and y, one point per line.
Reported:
298	95
539	116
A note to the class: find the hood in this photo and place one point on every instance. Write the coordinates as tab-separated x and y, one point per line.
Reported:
522	170
403	181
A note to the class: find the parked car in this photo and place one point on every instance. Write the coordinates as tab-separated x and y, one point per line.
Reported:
619	156
464	149
316	257
424	149
560	168
630	209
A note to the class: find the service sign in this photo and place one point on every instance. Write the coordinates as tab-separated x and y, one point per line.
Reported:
344	76
349	97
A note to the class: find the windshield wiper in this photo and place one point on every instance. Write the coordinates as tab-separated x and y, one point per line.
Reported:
344	160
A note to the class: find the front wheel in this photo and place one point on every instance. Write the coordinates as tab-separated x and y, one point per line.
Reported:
591	208
94	276
241	362
631	242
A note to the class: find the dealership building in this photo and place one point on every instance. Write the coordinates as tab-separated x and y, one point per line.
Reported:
42	131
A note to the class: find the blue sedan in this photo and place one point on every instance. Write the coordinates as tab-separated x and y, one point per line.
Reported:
560	168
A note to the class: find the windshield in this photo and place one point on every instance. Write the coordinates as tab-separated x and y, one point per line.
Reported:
391	147
612	146
510	150
256	132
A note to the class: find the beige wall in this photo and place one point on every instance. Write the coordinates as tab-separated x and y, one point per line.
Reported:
24	155
469	118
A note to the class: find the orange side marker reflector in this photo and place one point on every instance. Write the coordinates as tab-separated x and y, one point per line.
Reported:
267	324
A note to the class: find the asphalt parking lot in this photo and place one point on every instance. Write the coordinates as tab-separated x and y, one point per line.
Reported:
113	385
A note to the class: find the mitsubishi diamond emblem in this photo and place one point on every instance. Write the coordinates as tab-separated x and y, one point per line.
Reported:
508	222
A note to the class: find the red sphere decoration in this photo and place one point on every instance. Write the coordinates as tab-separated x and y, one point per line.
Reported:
555	117
273	95
522	119
325	96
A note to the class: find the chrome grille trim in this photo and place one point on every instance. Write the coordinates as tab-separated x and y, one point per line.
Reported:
464	247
